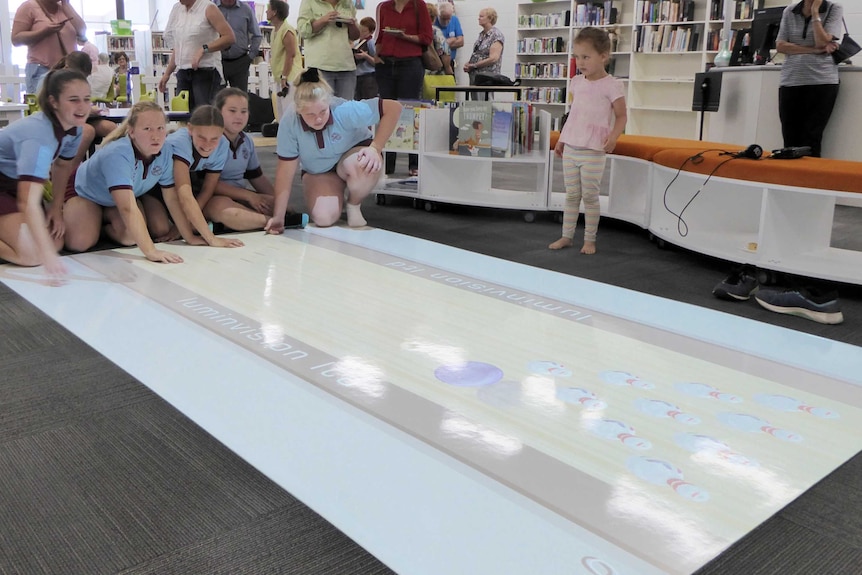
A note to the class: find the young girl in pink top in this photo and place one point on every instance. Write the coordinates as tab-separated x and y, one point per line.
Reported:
596	119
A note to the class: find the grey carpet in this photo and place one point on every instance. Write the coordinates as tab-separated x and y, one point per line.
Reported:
99	475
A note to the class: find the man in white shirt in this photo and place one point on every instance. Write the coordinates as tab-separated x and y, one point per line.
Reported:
101	77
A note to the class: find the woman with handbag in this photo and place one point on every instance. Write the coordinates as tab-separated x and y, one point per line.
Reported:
488	49
808	86
403	33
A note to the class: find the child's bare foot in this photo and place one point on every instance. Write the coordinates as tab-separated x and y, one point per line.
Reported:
561	243
589	248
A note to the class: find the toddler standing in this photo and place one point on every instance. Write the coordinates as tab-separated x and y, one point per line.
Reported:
596	119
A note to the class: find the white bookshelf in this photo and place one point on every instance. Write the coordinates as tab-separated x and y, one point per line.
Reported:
658	51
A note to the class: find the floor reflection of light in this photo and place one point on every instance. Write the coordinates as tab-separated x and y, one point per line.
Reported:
540	392
669	521
268	285
771	486
483	438
441	353
355	373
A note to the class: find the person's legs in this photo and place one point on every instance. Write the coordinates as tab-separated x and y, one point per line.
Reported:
572	205
386	86
205	85
184	82
234	215
83	221
359	185
156	215
792	111
821	102
32	74
115	227
592	170
236	72
324	196
343	83
411	79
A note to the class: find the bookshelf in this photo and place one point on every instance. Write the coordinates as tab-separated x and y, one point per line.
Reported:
265	43
161	53
657	48
118	44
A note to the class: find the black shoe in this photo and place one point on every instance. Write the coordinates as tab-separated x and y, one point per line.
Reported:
802	302
295	220
738	286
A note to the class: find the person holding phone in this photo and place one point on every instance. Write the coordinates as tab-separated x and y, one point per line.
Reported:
808	87
328	29
49	29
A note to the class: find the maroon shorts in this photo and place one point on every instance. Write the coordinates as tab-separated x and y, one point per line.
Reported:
8	203
70	188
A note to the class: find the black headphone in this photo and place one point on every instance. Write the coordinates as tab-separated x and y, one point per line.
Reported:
753	152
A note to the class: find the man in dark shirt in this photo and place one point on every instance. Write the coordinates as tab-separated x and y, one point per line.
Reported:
237	58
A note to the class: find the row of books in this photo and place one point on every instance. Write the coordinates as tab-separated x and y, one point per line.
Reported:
743	10
543	70
545	95
596	14
552	45
556	20
666	38
491	129
713	39
664	11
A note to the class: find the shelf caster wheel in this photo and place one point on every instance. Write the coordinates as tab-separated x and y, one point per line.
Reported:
430	207
529	217
661	244
381	199
558	217
768	277
418	204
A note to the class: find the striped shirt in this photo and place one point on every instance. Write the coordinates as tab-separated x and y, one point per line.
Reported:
809	69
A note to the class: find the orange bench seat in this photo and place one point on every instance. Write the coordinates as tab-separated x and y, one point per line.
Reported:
815	173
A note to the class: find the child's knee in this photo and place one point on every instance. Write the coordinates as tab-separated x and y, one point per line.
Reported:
326	211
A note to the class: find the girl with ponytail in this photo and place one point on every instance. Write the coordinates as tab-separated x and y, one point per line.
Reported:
109	191
331	139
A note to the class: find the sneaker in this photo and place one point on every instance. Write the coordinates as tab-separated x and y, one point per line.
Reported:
807	303
295	220
738	286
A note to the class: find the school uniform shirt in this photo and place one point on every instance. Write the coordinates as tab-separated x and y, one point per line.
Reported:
242	162
29	146
319	150
183	150
119	166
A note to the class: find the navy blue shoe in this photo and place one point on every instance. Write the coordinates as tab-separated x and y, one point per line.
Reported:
802	302
738	286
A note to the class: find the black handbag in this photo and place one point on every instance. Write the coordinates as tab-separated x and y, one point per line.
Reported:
848	47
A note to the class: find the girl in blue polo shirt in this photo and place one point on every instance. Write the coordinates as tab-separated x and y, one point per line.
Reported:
31	149
233	204
200	148
106	188
332	140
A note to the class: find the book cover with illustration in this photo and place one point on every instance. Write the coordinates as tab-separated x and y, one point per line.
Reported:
402	136
474	129
501	130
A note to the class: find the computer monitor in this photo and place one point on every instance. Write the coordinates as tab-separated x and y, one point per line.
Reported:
741	54
764	31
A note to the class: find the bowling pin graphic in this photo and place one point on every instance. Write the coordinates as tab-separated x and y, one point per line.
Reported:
705	391
660	472
552	368
579	396
623	378
659	408
786	403
753	424
704	444
614	429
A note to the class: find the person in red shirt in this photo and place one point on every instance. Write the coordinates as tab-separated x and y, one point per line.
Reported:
403	32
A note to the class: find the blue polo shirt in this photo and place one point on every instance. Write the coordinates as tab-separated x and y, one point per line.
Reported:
242	162
181	145
451	30
118	166
29	146
318	151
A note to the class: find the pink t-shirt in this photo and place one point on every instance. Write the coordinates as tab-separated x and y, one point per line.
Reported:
47	51
591	116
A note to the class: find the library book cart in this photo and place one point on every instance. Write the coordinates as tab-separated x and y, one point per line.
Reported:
519	182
